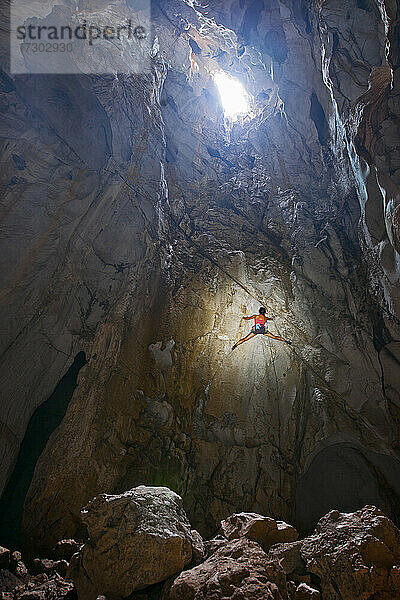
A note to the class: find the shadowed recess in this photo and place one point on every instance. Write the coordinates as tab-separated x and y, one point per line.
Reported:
46	418
341	477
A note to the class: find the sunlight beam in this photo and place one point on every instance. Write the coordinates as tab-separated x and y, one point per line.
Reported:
234	98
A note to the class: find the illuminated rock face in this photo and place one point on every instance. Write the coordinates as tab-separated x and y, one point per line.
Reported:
168	224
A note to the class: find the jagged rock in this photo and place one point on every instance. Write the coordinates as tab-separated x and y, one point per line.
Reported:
305	592
212	545
264	530
284	533
198	547
43	565
55	588
136	539
33	595
43	583
289	557
17	565
355	555
39	579
64	549
240	569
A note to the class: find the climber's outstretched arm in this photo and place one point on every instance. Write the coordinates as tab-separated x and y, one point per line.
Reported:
253	317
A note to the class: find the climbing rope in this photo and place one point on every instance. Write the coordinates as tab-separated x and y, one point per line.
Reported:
259	299
278	414
349	411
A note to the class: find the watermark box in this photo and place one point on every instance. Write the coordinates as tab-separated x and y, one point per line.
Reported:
85	36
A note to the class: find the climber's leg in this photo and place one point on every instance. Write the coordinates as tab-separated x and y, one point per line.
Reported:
245	339
276	337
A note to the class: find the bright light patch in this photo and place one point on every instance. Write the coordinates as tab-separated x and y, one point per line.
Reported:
233	96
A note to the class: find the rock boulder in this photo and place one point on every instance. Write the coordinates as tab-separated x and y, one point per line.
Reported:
65	549
239	569
355	555
264	530
42	582
137	539
305	592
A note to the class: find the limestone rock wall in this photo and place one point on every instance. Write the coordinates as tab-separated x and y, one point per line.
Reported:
166	224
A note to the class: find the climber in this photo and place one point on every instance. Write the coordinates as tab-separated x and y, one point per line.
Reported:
260	327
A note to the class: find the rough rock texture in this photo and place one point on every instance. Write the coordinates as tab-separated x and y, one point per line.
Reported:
289	557
305	592
238	570
349	556
45	565
136	539
264	530
355	555
163	222
17	566
65	549
42	582
41	588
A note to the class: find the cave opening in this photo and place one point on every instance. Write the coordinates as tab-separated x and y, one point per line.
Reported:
344	478
44	421
234	98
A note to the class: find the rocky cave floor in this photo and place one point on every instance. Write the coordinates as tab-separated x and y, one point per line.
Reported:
140	545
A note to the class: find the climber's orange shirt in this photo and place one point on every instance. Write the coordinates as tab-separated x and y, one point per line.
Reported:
260	320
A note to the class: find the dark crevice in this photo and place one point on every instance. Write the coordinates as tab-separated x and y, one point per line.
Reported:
46	418
317	114
343	477
382	374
